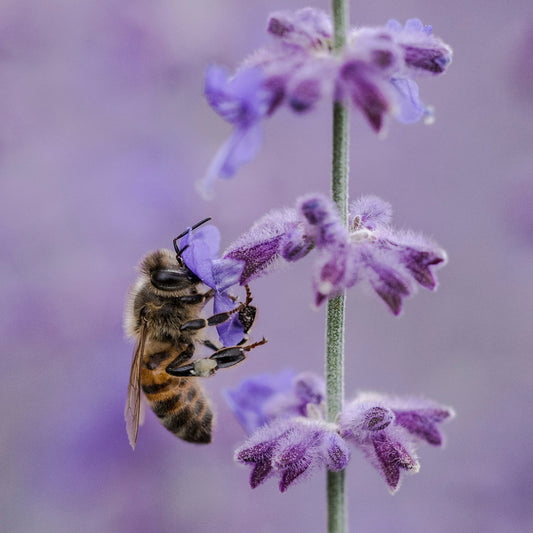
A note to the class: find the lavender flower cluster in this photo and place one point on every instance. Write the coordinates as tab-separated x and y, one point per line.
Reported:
290	438
298	69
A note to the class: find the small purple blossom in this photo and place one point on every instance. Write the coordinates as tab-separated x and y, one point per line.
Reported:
298	69
262	399
200	254
292	449
243	102
388	429
393	262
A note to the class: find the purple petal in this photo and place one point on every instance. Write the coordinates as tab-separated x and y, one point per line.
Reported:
309	388
305	95
334	271
386	277
260	473
226	273
394	25
423	423
386	429
410	108
415	25
292	472
230	332
335	268
296	244
202	248
273	236
434	61
422	51
367	91
259	456
419	262
377	418
336	454
249	399
306	27
259	452
323	223
239	100
363	416
418	254
294	448
392	457
241	147
300	450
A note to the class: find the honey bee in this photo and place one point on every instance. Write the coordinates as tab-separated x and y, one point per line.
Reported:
162	315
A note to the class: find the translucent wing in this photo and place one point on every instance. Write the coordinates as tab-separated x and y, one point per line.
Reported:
133	402
142	411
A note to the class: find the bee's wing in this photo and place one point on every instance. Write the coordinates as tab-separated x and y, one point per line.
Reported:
142	410
133	402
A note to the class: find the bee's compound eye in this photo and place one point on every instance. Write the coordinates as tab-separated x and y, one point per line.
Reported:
172	280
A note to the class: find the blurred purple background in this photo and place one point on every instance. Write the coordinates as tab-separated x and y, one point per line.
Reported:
103	132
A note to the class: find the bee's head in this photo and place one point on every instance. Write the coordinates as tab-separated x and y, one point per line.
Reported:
168	272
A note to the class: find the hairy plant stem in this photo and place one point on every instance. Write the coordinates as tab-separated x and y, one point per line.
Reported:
335	318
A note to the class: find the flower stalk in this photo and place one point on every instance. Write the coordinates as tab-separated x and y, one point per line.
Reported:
335	317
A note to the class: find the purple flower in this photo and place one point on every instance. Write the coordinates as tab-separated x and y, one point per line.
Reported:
298	68
264	398
292	449
393	262
243	102
200	254
388	429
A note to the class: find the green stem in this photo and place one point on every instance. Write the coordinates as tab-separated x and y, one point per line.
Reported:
337	520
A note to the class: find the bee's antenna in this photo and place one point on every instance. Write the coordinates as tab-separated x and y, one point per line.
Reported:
182	234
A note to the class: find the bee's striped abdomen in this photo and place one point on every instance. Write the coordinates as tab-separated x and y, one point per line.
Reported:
180	403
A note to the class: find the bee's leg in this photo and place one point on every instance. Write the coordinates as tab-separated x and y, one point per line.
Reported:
197	298
223	358
227	357
181	358
211	345
244	309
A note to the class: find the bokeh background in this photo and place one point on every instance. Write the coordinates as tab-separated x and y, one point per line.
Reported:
103	132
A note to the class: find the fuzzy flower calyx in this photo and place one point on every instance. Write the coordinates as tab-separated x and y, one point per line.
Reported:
297	69
291	449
